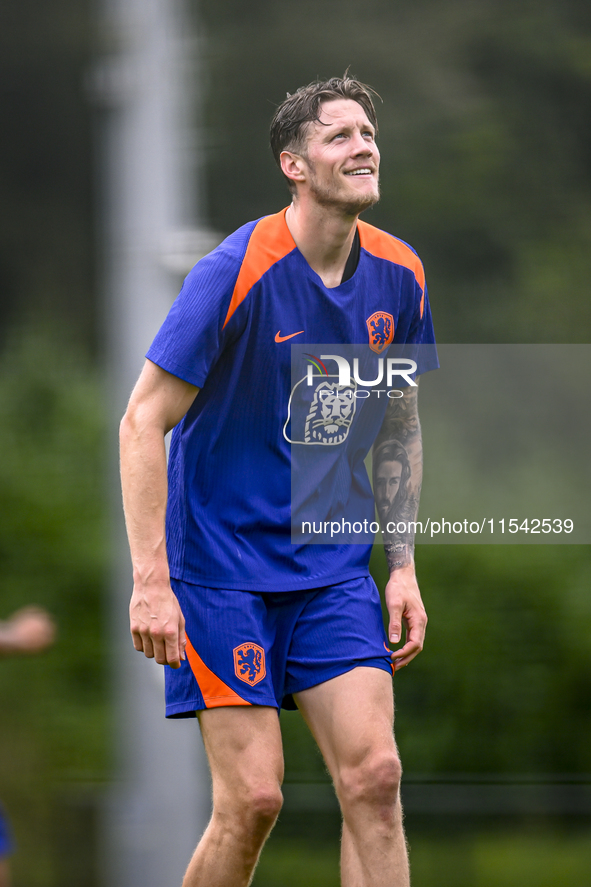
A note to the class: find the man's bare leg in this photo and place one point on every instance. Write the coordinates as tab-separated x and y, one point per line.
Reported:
352	719
243	745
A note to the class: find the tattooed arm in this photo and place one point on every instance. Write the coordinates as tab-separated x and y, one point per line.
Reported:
397	476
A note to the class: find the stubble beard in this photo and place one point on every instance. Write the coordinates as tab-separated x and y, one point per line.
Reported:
331	198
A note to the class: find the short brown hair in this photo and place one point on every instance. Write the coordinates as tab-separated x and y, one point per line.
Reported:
290	121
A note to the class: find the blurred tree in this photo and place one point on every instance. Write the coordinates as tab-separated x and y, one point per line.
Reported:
52	553
504	681
45	165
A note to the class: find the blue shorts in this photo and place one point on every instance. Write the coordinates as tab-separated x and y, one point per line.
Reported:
5	838
258	648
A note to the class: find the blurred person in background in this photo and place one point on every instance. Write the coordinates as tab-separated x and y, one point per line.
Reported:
248	621
28	631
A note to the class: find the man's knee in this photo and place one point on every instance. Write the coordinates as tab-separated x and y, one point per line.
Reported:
264	803
373	782
252	808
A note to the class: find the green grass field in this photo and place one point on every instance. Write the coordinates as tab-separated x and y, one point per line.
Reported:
512	858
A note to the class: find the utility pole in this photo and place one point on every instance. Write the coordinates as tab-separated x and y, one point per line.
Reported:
146	84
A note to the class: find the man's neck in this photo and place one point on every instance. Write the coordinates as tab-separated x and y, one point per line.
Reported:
323	237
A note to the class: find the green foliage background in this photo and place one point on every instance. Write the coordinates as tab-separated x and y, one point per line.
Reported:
486	152
53	733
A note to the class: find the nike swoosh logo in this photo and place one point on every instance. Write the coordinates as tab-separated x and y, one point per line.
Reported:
280	338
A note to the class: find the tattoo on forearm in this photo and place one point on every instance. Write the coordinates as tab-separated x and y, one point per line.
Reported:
397	477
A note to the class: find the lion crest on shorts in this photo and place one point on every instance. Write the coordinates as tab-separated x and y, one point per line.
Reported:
249	663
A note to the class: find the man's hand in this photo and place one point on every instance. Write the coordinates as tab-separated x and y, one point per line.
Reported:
28	631
405	607
157	624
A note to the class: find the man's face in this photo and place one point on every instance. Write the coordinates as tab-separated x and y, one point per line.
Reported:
342	158
387	486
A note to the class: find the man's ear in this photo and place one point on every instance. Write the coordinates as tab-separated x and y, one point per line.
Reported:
293	166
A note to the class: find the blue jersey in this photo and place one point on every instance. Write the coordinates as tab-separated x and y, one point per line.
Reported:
230	333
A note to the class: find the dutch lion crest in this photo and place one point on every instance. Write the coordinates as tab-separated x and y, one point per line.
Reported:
249	663
380	327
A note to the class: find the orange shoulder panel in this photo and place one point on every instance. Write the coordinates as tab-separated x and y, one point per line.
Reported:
269	242
215	692
384	246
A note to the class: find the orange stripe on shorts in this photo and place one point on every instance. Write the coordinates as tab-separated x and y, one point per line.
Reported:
215	692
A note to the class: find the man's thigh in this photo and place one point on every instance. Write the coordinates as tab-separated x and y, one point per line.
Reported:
340	628
244	749
351	717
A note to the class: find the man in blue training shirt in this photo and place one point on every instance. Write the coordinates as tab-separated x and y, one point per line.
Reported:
248	618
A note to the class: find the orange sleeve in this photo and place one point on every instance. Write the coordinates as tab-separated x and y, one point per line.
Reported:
269	242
